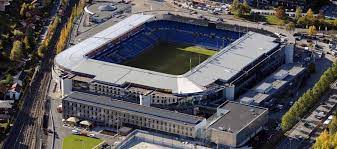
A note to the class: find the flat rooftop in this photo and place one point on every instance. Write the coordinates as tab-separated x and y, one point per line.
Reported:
243	52
291	72
237	117
127	107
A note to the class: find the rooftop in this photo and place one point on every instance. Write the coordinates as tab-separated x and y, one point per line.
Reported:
289	72
6	104
110	103
220	66
237	117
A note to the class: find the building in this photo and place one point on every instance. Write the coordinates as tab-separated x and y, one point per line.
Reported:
110	112
288	4
96	86
3	4
83	68
284	81
6	106
15	91
234	124
146	139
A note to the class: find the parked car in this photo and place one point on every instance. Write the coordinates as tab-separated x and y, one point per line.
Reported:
76	132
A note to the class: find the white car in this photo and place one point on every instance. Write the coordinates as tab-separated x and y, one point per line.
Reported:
76	132
91	135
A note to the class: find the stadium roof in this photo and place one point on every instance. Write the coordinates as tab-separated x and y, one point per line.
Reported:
224	65
150	112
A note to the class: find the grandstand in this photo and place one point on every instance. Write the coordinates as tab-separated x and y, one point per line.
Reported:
166	33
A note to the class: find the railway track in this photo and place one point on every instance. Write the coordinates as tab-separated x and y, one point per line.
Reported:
35	113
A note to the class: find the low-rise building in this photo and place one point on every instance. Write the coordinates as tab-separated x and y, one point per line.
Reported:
15	91
234	124
110	112
282	82
6	106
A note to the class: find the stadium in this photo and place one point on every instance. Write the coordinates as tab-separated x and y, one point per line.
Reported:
164	59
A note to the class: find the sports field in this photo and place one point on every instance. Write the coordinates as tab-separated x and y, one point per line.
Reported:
80	142
170	58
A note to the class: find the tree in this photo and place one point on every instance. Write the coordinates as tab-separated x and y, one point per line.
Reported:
26	42
17	32
246	7
280	12
290	26
302	21
40	51
333	125
7	81
322	141
310	14
236	8
23	9
321	15
312	31
335	22
16	51
239	9
298	13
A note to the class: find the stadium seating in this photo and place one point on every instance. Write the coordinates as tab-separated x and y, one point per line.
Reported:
167	31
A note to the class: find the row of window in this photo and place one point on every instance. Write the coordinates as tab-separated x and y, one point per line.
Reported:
109	90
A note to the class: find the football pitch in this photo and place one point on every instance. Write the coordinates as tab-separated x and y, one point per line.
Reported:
170	58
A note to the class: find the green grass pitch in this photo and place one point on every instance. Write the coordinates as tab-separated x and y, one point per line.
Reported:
80	142
170	58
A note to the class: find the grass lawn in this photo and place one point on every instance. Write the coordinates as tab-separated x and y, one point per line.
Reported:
170	58
273	20
199	50
79	142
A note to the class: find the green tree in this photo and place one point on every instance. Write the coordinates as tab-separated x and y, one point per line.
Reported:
17	32
235	8
302	21
26	42
335	22
298	13
333	125
23	9
16	51
246	7
280	12
7	81
290	26
312	31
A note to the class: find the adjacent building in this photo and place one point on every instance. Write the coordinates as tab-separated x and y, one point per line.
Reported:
234	124
110	112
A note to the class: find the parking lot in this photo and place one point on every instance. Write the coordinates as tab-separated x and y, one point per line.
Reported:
305	132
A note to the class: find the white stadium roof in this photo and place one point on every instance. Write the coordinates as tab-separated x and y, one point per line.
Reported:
224	65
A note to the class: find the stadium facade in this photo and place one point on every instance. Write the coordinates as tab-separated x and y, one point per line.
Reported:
94	65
